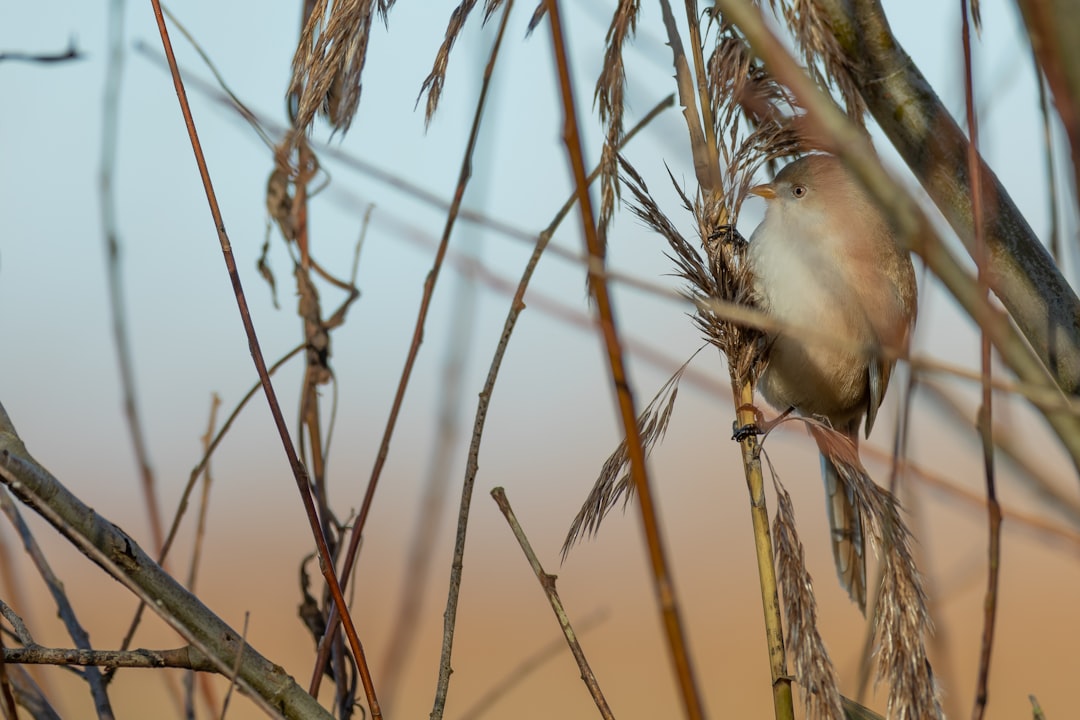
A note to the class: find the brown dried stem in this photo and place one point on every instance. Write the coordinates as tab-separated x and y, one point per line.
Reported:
1052	28
299	472
548	583
662	581
986	416
717	279
783	704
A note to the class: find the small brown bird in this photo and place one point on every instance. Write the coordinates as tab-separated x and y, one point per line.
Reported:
825	258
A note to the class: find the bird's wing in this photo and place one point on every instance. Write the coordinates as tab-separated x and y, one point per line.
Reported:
878	374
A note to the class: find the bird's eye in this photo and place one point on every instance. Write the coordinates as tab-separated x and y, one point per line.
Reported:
798	191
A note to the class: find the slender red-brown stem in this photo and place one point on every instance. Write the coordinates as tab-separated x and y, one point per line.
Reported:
299	472
662	581
985	421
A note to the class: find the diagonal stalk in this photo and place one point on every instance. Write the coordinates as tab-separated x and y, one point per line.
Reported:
662	581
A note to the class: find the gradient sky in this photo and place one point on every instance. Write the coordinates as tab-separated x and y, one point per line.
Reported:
552	421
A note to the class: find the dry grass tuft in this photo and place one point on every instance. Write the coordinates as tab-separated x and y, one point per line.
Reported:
902	621
329	61
814	669
433	83
615	481
610	101
826	62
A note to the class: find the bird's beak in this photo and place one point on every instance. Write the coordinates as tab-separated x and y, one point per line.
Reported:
765	191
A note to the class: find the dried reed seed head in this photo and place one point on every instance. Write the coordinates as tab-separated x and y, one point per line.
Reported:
826	62
902	621
814	670
610	101
329	62
436	79
433	83
614	481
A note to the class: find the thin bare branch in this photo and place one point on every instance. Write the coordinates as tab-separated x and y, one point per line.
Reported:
517	305
986	415
110	129
188	658
64	608
548	583
122	558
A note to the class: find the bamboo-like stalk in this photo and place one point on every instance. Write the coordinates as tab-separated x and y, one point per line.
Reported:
783	704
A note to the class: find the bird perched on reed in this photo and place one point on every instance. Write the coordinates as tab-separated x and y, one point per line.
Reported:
825	258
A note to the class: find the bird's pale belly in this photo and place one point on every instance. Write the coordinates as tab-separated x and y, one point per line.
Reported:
816	379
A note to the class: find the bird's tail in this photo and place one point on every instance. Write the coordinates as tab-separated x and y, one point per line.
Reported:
845	522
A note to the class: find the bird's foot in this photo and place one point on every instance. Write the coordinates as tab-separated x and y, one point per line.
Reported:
760	426
745	431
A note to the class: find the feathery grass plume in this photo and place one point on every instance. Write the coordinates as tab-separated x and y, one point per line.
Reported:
826	62
328	63
814	669
610	102
757	119
615	481
902	620
433	83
